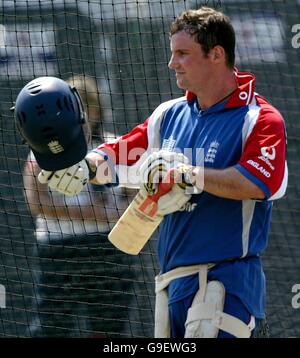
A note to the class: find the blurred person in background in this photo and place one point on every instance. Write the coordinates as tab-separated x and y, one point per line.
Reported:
80	276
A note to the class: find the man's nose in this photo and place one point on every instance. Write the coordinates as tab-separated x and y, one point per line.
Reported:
172	63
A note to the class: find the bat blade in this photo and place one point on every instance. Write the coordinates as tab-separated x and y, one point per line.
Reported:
139	221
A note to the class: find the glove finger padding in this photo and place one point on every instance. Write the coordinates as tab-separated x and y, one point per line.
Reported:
61	179
156	167
44	176
76	184
173	201
69	181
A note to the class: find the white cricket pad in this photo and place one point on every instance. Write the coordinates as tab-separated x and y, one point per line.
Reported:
199	318
206	317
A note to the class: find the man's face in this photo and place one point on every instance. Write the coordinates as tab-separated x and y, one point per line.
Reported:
188	61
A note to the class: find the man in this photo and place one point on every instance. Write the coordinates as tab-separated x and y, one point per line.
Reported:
216	234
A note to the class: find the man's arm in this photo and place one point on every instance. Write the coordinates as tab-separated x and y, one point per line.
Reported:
105	208
261	172
102	165
229	183
35	193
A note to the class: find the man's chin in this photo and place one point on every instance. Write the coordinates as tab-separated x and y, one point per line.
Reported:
180	85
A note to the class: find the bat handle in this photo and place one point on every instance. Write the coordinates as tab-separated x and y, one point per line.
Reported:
164	187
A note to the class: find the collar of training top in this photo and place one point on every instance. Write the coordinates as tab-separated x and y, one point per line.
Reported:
242	96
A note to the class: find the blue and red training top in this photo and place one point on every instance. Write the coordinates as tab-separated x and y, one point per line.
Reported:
245	132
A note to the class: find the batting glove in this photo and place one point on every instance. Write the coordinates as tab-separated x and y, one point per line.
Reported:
156	166
189	178
155	169
69	181
173	201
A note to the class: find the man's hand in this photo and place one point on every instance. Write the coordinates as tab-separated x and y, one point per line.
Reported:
189	178
69	181
157	168
173	201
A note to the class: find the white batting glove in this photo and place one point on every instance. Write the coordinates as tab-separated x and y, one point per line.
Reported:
173	201
189	178
156	166
154	169
69	181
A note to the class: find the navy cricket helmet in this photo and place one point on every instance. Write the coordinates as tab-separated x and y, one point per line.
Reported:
50	117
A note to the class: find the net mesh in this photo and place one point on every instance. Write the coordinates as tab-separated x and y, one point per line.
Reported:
64	280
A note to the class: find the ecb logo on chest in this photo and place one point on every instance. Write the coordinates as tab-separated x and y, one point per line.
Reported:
212	152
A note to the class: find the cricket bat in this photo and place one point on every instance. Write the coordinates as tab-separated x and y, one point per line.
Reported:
139	221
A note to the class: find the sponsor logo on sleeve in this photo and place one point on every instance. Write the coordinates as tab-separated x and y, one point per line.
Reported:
259	168
268	154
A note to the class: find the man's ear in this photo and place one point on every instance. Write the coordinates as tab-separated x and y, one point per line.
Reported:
217	54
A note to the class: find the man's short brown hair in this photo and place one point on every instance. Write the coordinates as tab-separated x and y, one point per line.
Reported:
209	28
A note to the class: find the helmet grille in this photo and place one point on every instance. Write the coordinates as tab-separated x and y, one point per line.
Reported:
34	88
49	132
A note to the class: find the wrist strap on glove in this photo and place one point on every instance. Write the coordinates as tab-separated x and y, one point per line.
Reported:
91	167
186	176
189	179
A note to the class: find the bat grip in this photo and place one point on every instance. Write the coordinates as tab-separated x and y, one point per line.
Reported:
164	187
